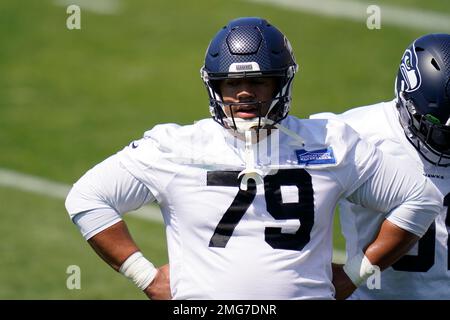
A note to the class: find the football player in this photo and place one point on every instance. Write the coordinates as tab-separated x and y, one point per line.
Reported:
415	129
248	196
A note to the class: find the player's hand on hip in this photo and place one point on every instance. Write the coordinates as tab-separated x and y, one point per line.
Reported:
159	288
343	285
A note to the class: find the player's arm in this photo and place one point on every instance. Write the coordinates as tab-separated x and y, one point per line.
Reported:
115	245
96	203
410	204
391	243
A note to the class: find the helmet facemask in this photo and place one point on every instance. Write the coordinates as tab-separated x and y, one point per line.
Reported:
425	132
277	107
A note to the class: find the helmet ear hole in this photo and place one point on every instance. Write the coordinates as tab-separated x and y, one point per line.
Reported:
435	64
280	82
215	85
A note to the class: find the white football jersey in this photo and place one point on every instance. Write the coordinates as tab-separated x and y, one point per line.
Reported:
269	238
424	273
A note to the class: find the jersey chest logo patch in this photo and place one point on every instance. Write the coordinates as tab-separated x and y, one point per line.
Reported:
321	156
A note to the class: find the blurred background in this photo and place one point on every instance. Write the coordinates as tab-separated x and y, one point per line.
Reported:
70	98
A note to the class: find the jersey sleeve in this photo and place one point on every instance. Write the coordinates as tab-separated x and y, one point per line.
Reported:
405	197
102	195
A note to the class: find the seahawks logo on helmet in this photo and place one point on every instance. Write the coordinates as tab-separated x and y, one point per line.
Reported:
410	71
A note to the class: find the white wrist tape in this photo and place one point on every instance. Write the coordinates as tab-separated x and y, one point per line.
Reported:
139	270
359	269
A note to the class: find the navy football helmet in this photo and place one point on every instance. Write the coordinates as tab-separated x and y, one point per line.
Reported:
422	91
249	47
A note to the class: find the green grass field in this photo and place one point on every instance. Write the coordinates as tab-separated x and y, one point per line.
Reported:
70	98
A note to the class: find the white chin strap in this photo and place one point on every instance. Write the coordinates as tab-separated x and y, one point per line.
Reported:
250	172
243	125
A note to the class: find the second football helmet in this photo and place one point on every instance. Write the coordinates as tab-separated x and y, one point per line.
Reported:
249	47
422	91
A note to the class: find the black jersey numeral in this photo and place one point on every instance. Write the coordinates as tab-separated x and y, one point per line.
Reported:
237	209
303	210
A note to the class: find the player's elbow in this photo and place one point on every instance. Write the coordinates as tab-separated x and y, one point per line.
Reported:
433	197
70	203
426	204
